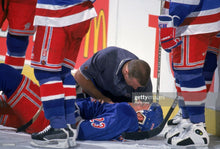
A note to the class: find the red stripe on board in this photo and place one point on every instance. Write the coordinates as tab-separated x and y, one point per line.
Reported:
153	22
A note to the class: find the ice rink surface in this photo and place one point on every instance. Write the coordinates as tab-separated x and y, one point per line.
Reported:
9	139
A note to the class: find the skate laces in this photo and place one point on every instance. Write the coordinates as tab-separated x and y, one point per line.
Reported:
184	123
177	118
45	130
179	114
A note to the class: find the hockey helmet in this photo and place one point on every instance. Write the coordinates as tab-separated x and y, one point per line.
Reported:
151	118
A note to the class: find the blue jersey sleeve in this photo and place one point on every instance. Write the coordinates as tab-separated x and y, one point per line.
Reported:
183	8
62	2
109	122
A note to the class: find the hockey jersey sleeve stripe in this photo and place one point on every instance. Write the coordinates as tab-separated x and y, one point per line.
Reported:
21	32
65	21
201	19
61	2
61	11
188	2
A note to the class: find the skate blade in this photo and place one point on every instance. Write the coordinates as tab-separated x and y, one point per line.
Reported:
58	143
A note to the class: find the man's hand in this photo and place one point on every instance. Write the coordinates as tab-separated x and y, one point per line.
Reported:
108	100
167	30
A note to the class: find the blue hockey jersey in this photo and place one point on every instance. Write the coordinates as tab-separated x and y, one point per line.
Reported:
105	121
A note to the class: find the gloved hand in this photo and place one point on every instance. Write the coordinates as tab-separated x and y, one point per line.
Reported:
167	31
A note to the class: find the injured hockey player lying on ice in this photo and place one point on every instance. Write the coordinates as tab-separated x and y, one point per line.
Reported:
95	121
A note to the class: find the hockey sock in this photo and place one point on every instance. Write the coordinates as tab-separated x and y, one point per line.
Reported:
7	74
209	68
52	95
16	49
69	85
184	111
196	113
185	114
193	91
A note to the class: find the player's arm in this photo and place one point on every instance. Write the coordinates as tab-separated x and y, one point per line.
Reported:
178	11
89	87
182	9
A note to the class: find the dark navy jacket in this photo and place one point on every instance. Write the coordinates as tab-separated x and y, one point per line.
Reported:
104	68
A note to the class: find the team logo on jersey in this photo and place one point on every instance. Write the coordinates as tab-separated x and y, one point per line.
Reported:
98	122
44	56
27	26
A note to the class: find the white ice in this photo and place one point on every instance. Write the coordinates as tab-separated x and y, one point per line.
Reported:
9	139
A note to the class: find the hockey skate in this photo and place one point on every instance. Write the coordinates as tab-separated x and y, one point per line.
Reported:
193	135
176	120
72	128
72	135
178	128
51	138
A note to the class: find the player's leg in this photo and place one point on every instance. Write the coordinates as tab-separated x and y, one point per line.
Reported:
14	87
181	119
9	79
20	28
211	60
52	96
208	72
188	63
7	116
16	49
3	11
47	67
69	86
75	33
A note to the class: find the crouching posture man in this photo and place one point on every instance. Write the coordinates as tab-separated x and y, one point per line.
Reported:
95	121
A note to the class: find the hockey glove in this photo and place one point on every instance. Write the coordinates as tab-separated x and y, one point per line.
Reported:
167	32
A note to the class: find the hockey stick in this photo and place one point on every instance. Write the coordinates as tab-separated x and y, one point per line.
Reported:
151	133
158	74
25	126
159	62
